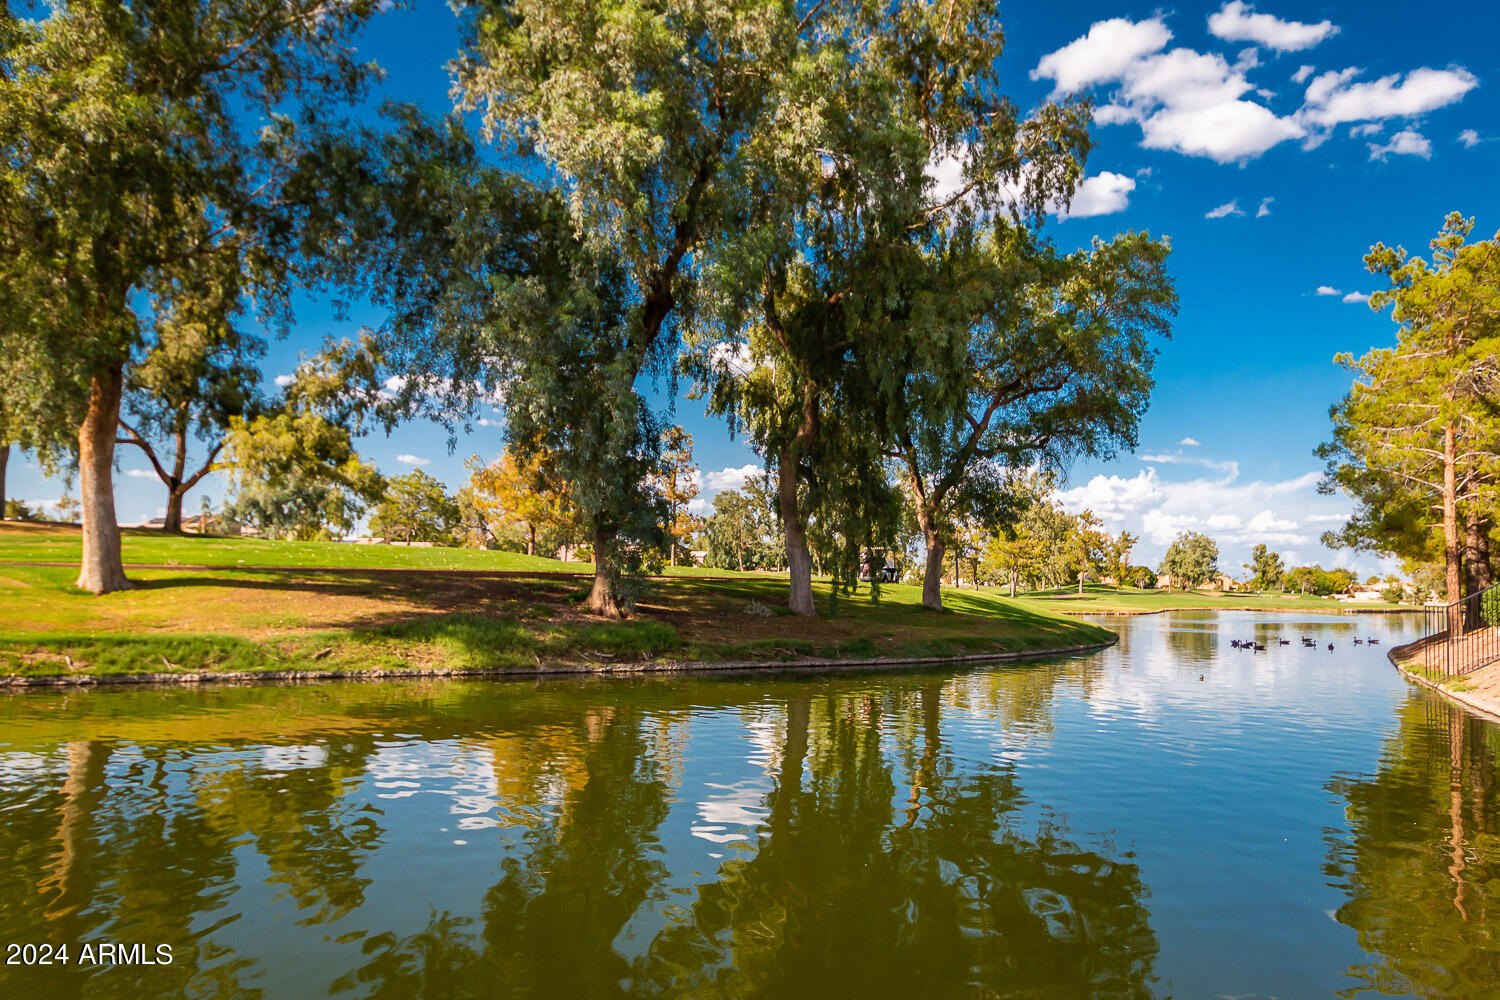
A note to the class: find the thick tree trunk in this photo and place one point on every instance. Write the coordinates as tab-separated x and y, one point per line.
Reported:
4	461
1012	583
530	539
1476	555
102	570
602	598
739	557
798	561
173	521
932	581
1452	553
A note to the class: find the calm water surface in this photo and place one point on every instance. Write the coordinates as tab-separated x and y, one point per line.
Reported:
1171	817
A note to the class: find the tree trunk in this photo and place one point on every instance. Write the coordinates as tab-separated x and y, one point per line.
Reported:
739	556
530	539
1476	555
602	598
176	491
932	580
102	570
173	521
1013	583
4	461
1080	583
798	560
1452	555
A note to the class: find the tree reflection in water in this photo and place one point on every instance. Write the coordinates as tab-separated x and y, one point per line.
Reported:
886	862
1420	859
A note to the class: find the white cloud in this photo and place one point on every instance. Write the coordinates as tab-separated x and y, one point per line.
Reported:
1356	297
1230	468
1404	143
1228	208
1469	138
1365	130
1183	100
730	478
1189	442
1200	104
1264	208
1102	194
1238	22
1104	54
1327	290
140	474
282	381
1225	132
1334	99
1235	514
413	460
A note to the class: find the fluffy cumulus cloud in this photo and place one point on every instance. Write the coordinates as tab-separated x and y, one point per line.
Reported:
729	478
413	460
1227	209
1336	98
1188	442
1327	290
1469	138
1106	53
1407	142
1238	515
140	474
1239	22
1202	104
282	381
1357	297
1102	194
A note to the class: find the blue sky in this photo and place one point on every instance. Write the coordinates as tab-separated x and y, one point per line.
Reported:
1273	143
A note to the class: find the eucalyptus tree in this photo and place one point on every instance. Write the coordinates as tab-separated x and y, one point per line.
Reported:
1057	359
139	141
1416	439
855	277
199	373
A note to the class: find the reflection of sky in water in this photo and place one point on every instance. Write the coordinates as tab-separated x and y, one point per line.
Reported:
732	813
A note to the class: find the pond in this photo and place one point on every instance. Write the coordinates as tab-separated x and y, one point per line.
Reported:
1170	817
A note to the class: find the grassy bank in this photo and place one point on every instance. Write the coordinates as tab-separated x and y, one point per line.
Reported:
140	546
362	613
1129	600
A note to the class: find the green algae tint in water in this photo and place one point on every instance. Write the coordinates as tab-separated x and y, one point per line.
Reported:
1171	817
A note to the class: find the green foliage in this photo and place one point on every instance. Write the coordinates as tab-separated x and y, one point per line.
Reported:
1191	560
1489	606
416	508
1142	578
297	475
1316	580
742	531
1413	440
1268	569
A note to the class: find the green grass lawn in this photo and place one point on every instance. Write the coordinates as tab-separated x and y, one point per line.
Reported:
331	606
1105	600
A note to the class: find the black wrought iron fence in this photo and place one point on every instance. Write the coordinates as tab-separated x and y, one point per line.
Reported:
1463	635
